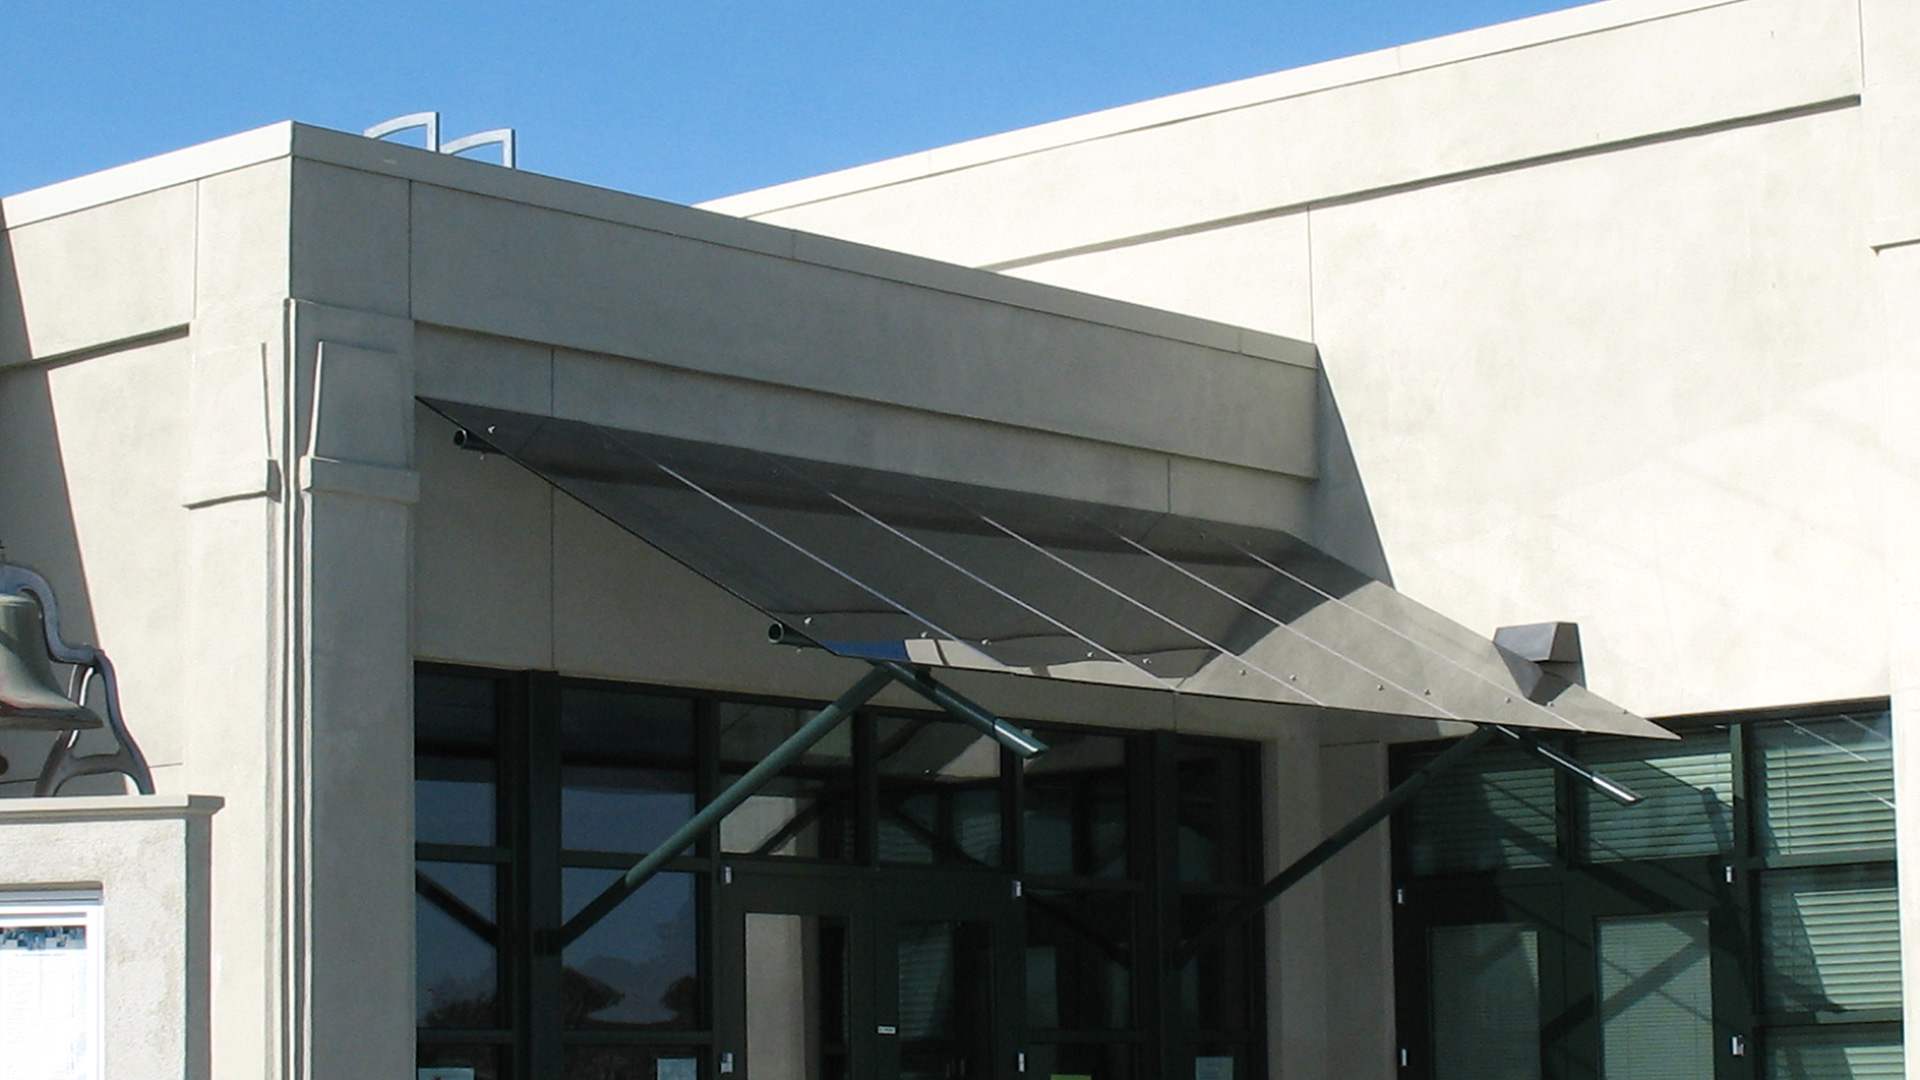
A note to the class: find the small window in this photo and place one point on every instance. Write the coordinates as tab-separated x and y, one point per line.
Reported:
1687	798
1826	784
1493	812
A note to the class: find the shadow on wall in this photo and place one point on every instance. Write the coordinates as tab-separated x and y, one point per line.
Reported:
1343	524
36	514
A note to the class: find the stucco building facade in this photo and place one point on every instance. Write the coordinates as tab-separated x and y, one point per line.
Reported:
1603	317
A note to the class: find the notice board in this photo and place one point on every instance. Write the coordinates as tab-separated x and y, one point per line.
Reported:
51	995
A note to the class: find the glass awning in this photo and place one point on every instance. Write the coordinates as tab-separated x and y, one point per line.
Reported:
879	565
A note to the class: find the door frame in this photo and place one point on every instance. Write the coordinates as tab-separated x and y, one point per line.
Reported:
874	903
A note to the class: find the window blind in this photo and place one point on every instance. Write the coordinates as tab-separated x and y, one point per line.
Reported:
1656	997
1486	1002
1829	940
1825	785
1688	807
1493	812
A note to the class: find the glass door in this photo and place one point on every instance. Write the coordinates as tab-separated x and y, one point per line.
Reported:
829	975
789	1004
1657	985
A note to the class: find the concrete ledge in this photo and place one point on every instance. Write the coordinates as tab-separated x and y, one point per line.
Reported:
108	808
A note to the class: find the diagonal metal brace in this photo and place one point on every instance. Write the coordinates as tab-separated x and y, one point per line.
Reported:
736	793
1331	846
1380	811
796	744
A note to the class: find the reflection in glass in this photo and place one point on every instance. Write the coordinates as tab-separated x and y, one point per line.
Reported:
797	997
940	792
457	983
1216	790
628	770
808	810
1656	997
1486	1002
1489	813
1076	806
638	968
595	1062
945	1000
1216	987
1829	940
1837	1053
1079	960
1096	1061
1687	805
487	1062
1825	785
454	765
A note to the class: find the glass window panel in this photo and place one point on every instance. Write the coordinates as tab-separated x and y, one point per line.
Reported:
1216	792
1656	997
487	1062
1687	805
946	1024
797	997
627	768
1834	1055
597	1062
1826	784
1222	1062
1492	812
940	792
638	968
1216	987
1071	1061
455	759
1830	940
809	809
457	983
1486	1002
1079	960
1075	820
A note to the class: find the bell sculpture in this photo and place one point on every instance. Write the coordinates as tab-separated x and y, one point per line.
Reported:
30	694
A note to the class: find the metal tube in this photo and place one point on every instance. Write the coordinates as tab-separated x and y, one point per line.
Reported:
993	727
736	793
1612	789
1333	845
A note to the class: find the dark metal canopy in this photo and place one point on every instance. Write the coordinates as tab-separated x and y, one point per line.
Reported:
877	565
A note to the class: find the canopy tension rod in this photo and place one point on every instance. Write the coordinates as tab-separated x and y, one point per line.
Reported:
1380	811
917	679
796	744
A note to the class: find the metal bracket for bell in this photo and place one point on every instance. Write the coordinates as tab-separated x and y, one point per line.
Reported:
30	694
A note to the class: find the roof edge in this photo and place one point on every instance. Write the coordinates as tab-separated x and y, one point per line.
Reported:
148	174
1509	36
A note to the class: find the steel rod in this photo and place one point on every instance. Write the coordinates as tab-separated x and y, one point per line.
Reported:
992	726
1333	845
1612	789
736	793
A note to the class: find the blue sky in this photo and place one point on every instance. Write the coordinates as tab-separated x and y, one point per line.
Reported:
683	101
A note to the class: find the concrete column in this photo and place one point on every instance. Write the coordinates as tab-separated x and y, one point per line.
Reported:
347	753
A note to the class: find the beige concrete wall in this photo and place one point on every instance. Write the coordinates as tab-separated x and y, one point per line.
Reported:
149	857
1592	293
1614	309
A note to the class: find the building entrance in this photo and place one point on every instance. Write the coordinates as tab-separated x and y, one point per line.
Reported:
836	974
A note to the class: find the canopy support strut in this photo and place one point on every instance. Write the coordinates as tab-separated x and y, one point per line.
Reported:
1306	864
796	744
